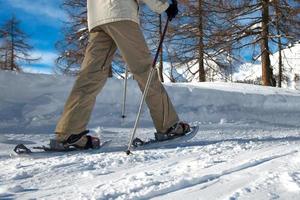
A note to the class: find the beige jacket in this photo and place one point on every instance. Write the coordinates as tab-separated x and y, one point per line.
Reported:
106	11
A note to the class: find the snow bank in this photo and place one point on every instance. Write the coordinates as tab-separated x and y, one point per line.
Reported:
33	103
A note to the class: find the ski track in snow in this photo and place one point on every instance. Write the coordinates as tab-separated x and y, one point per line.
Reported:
247	147
244	168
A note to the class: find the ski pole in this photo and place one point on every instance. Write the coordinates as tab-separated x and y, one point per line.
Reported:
153	69
125	93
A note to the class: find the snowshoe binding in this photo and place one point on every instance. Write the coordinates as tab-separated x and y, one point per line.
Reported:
78	141
177	130
177	134
72	143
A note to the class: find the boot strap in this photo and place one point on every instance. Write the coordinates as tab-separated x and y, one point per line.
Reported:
72	139
89	144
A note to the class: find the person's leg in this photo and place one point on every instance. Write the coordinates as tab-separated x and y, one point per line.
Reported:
91	79
130	41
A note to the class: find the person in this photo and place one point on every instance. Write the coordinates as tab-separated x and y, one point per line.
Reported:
115	24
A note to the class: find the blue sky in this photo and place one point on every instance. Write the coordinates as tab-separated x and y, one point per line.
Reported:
42	21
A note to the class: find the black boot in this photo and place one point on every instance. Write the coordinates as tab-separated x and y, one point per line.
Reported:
177	130
80	141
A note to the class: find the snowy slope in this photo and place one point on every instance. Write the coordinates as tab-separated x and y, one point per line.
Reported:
247	148
291	68
242	71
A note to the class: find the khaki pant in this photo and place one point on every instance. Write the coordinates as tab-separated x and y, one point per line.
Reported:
103	42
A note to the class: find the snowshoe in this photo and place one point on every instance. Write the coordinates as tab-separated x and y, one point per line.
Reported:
171	140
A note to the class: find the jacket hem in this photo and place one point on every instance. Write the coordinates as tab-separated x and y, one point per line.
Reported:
163	8
107	21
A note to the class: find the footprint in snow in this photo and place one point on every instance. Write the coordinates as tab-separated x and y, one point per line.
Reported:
19	189
22	175
296	177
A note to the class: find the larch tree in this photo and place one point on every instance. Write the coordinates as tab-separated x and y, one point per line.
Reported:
192	39
248	25
72	47
14	46
284	26
2	51
266	26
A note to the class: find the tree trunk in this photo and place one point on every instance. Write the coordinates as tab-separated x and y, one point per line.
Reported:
6	60
201	44
161	67
280	65
110	72
12	53
267	72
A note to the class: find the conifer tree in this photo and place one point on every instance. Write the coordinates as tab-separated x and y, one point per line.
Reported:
72	47
14	46
284	26
259	24
193	39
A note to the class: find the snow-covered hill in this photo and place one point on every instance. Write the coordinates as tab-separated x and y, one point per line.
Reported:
291	68
247	148
242	72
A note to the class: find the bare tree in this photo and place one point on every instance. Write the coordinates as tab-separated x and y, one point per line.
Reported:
255	24
284	26
192	39
72	47
2	51
14	46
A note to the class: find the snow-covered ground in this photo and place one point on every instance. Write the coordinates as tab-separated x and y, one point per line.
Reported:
247	147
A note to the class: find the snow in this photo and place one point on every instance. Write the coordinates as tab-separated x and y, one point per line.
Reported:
182	73
247	146
291	68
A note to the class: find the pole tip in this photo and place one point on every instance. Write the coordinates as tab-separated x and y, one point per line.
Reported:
128	152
